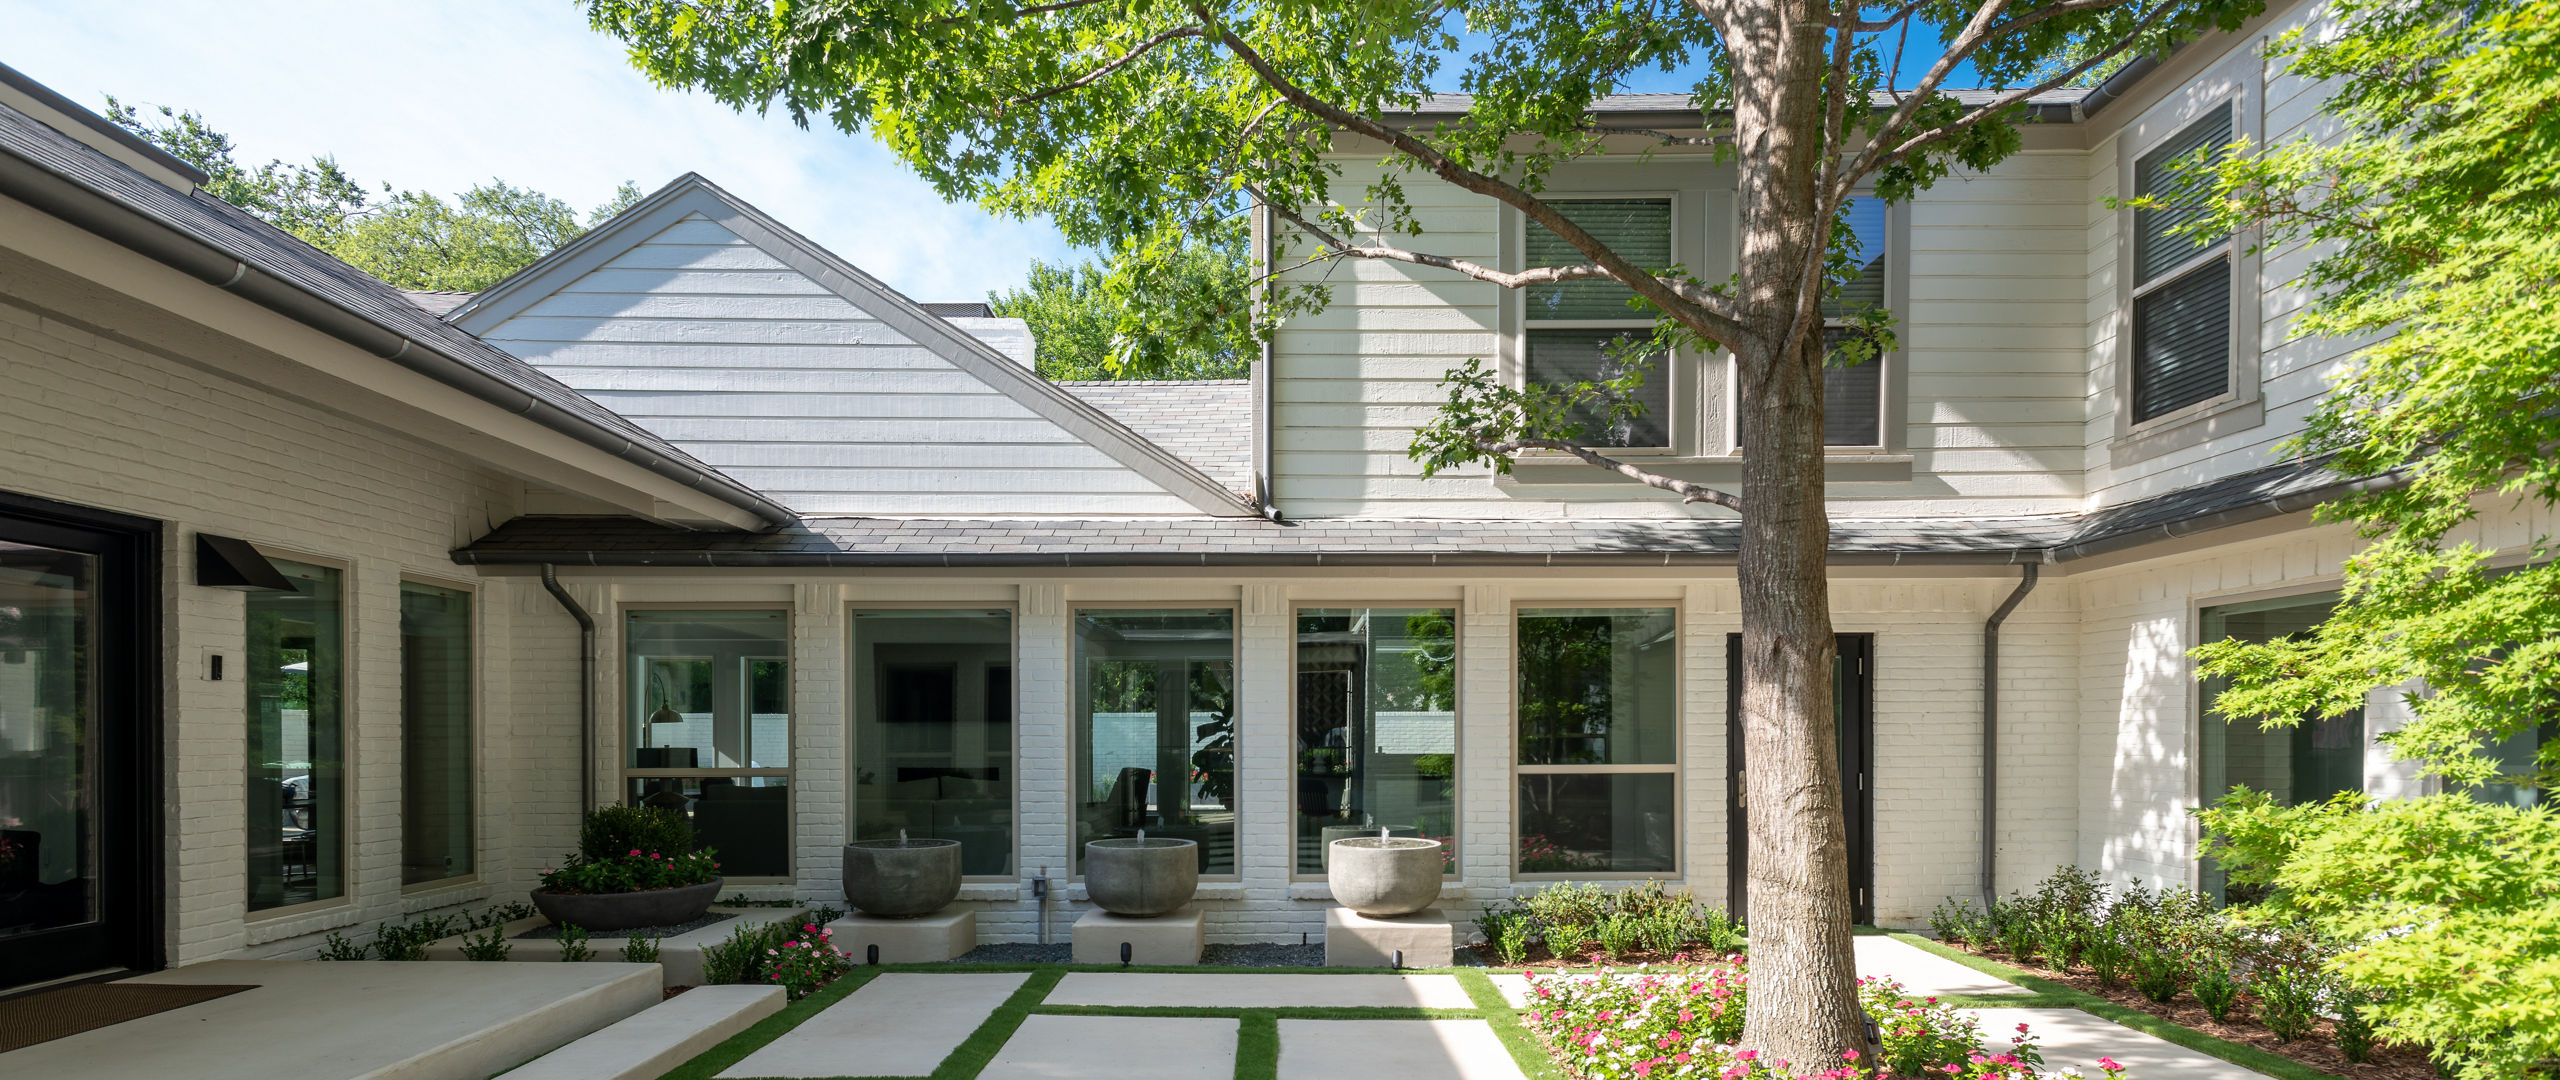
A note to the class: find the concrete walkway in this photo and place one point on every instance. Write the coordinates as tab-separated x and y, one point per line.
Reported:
2072	1037
899	1024
1404	1049
1276	991
1923	973
1116	1048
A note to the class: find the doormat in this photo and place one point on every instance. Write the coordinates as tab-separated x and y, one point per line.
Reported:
52	1014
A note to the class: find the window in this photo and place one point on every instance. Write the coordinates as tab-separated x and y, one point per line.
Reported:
1581	331
296	681
1156	729
1853	394
435	733
1377	728
933	731
1599	732
708	707
2182	285
2306	763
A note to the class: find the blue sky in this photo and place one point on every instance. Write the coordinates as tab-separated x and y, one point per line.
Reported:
445	95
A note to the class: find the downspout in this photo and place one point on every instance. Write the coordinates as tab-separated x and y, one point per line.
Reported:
1990	724
587	686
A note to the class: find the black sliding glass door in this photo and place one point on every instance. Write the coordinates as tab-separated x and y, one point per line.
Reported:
1853	714
77	837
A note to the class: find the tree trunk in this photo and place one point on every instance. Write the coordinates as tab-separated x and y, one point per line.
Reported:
1804	1006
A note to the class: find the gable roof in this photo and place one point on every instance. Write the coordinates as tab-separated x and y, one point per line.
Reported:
228	248
692	195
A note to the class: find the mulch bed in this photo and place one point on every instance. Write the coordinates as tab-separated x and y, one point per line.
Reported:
2387	1062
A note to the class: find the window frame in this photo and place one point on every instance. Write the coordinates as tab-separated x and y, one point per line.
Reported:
1458	726
479	743
790	782
1677	769
1682	406
2240	406
1891	390
350	721
1013	761
1071	802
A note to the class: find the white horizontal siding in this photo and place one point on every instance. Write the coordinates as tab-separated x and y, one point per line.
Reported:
791	389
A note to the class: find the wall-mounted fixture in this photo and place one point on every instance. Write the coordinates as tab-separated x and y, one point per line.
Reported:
228	562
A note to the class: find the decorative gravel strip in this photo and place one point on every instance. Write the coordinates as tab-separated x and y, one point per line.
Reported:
1018	952
1262	955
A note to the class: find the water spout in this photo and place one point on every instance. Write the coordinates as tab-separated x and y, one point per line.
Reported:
1142	838
902	838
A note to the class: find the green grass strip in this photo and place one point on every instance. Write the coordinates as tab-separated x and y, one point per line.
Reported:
2247	1057
981	1045
1526	1051
1258	1045
736	1047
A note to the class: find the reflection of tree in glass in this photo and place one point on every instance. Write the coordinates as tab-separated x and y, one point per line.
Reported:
1434	655
1213	761
1565	705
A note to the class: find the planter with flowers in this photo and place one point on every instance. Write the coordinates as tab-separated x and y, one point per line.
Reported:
636	866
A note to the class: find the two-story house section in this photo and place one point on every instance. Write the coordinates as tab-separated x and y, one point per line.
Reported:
715	520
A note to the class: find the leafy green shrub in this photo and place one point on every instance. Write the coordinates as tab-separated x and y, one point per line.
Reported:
2216	989
611	831
2354	1030
2018	938
395	941
1511	940
490	945
1566	940
1567	903
1620	933
805	960
2108	960
337	947
640	949
573	944
2158	973
1960	922
2288	1000
2060	938
742	957
1718	932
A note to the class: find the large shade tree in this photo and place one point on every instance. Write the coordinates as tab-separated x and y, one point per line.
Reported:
1131	123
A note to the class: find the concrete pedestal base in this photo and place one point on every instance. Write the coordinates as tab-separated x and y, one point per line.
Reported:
1352	939
926	939
1169	940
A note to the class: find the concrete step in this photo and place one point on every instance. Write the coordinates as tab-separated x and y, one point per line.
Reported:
646	1045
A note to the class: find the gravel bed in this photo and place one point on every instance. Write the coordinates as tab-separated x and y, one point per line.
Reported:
549	931
1263	955
1018	952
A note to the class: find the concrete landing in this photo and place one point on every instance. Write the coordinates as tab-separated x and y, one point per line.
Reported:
679	955
2069	1037
1404	1049
659	1038
900	1024
1276	991
356	1020
1923	973
1119	1048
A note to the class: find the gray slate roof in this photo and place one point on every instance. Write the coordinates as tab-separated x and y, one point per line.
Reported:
436	302
1207	422
605	541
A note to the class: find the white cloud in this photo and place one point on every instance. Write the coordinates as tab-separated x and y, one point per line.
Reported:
443	96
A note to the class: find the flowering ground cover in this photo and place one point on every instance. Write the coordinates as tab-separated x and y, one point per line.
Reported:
1659	1023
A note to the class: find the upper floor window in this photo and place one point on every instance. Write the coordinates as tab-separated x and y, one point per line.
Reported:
2182	284
1853	394
1583	331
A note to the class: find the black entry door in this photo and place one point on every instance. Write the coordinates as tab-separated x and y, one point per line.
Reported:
78	742
1852	710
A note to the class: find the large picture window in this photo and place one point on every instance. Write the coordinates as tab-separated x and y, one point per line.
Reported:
707	704
1377	742
1583	331
2306	763
435	733
2182	284
296	682
1156	728
933	731
1599	740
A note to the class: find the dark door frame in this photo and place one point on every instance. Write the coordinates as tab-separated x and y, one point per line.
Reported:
130	670
1854	692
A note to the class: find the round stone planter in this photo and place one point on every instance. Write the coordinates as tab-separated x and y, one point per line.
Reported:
1141	877
630	910
1384	878
1331	833
901	879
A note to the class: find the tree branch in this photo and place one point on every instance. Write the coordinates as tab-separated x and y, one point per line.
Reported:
1539	276
1687	491
1876	158
1667	138
1849	23
1123	60
1711	315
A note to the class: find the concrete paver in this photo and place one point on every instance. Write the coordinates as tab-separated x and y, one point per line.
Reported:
1246	991
2072	1037
1118	1048
1404	1049
900	1024
1923	973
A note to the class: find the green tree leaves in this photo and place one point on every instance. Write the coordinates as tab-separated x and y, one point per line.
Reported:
1085	326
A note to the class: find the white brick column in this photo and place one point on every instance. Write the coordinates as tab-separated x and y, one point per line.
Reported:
1043	750
818	741
1266	768
1486	750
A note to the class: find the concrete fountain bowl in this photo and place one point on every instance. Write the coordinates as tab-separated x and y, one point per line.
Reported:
902	878
1142	877
1384	876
